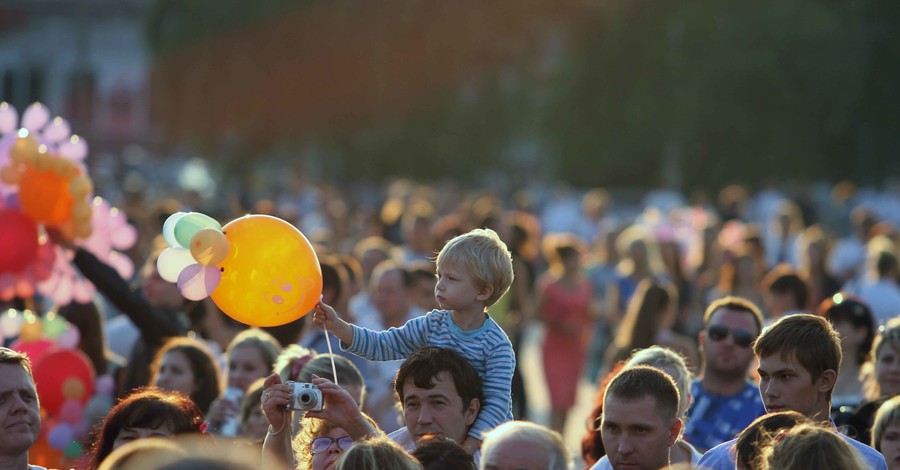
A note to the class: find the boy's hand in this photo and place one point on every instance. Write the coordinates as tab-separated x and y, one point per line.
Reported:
325	316
471	444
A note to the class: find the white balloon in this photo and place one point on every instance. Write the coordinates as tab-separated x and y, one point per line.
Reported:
172	261
9	118
169	229
35	117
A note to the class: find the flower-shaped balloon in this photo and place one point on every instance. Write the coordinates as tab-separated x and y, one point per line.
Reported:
111	234
41	160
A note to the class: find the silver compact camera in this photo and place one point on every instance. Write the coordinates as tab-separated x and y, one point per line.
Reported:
305	397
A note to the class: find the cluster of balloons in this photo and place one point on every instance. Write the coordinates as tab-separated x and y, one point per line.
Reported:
72	397
43	184
258	269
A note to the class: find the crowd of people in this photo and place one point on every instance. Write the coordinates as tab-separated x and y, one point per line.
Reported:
760	331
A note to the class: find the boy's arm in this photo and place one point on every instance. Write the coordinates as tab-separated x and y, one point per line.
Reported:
497	380
390	345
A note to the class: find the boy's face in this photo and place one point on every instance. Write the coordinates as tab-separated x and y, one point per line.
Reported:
456	289
784	384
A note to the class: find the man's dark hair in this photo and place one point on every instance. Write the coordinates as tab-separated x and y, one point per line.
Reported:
784	280
424	365
441	453
637	382
735	303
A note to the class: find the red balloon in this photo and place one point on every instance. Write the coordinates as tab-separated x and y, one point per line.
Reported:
18	241
63	375
35	350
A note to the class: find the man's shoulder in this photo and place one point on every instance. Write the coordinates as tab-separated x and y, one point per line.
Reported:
719	457
870	455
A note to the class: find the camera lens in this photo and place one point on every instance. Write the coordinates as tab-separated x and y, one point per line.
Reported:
305	398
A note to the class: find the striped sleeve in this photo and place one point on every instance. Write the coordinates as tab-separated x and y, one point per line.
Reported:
497	406
392	344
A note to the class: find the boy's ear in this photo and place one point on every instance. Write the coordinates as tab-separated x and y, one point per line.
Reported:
486	292
825	383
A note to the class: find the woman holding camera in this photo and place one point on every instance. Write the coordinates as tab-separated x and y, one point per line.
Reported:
326	433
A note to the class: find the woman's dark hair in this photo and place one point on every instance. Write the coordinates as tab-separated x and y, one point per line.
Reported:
441	453
87	318
844	307
755	437
145	407
207	375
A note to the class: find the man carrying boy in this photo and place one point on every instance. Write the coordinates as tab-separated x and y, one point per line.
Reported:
473	271
799	359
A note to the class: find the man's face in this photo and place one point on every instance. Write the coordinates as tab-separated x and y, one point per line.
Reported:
20	419
634	435
784	384
723	357
438	410
513	454
390	296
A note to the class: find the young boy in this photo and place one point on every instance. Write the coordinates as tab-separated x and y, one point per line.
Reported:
799	359
473	271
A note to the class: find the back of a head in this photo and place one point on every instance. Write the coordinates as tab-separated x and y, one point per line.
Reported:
378	453
811	446
785	280
527	435
638	382
667	360
754	438
810	339
440	453
144	454
348	373
425	364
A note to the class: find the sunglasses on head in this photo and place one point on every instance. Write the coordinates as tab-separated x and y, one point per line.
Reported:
742	338
322	444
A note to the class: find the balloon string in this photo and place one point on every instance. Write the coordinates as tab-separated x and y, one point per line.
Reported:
331	354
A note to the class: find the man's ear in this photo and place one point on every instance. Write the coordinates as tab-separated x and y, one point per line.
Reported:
825	383
674	431
471	411
485	293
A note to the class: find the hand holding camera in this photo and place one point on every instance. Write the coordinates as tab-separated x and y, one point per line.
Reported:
305	397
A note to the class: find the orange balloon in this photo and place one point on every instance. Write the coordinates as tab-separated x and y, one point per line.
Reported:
271	275
45	196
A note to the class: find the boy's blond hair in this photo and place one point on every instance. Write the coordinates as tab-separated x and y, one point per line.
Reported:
484	256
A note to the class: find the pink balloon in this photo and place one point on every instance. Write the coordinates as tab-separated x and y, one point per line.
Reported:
71	411
57	131
75	148
197	281
124	237
33	349
35	117
69	338
83	292
121	263
9	118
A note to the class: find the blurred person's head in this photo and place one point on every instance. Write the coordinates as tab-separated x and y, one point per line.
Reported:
423	283
886	432
785	291
89	321
187	365
390	292
370	252
148	412
672	363
291	360
886	361
563	252
811	446
441	453
750	442
640	423
639	252
730	325
251	356
252	423
799	361
523	445
440	393
144	454
650	310
377	453
854	322
349	376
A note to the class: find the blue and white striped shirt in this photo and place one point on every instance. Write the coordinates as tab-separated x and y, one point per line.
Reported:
488	350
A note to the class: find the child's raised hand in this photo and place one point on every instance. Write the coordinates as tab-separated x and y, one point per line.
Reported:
325	317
